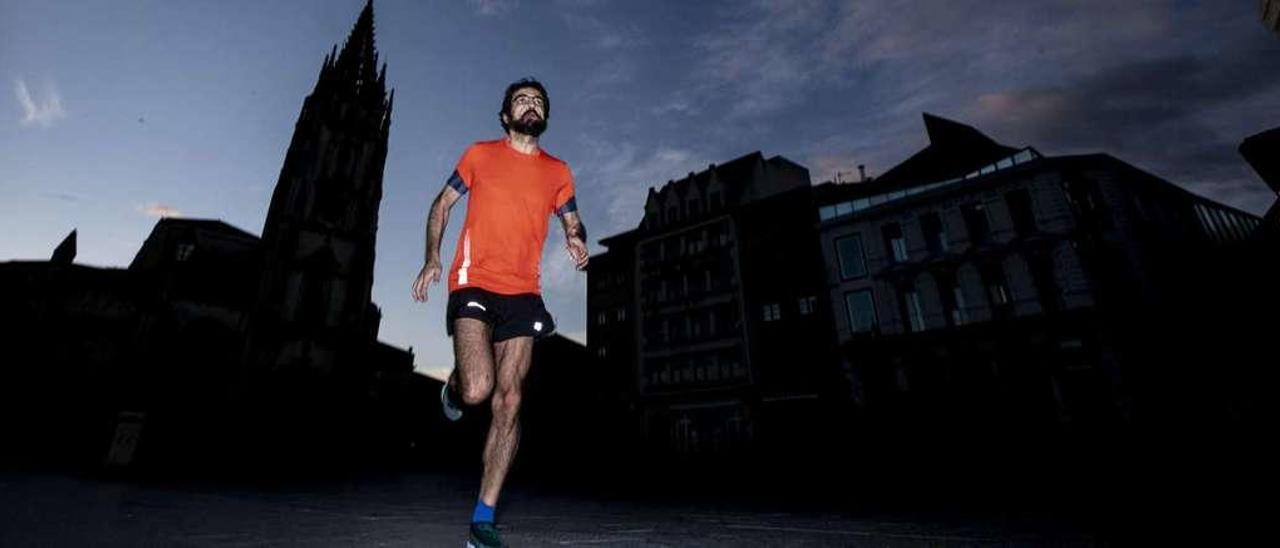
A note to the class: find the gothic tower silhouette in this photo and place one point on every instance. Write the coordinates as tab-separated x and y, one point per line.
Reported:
314	311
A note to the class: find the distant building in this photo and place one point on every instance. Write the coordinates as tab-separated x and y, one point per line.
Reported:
216	343
313	308
66	329
980	284
712	310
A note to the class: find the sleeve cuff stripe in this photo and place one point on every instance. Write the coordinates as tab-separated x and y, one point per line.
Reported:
569	206
455	181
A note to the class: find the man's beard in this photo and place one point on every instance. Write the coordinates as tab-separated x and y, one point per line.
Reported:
532	126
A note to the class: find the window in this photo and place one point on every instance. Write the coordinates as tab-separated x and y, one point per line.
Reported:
975	220
808	305
621	314
715	200
959	315
852	262
862	311
912	314
997	291
772	312
953	304
895	245
600	318
184	252
1042	276
602	352
1082	194
1024	219
935	235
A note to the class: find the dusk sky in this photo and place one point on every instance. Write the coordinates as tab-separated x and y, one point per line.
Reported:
114	113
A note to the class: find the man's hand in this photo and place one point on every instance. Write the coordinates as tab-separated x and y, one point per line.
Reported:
430	274
577	252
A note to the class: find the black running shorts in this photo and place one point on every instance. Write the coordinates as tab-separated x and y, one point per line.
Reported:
522	315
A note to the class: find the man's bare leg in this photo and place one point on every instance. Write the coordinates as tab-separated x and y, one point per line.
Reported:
473	375
513	357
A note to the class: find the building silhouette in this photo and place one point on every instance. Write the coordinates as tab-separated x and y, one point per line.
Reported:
986	288
215	344
313	307
974	293
712	310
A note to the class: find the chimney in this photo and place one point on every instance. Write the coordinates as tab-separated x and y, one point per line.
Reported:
862	173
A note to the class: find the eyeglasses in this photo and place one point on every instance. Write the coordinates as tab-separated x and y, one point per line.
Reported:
527	100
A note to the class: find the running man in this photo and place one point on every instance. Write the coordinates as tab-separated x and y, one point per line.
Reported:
495	310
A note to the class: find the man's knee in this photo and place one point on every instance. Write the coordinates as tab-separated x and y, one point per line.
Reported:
506	403
475	391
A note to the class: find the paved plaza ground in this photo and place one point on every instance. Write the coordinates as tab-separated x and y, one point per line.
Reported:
432	510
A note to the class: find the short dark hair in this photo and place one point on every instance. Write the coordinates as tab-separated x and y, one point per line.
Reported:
518	85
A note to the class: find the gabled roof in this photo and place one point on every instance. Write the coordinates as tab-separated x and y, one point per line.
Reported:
241	242
737	169
954	150
214	225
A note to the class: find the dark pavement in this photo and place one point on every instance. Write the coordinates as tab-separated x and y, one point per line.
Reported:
432	510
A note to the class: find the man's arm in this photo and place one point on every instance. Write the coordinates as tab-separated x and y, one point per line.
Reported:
437	218
575	238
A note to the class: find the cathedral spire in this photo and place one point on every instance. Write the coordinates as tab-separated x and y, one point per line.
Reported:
359	57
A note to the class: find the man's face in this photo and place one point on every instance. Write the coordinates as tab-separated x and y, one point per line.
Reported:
528	112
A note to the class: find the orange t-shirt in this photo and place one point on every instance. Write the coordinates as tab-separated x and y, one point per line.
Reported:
512	194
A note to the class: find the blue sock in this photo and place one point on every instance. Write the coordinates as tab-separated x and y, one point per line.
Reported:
483	513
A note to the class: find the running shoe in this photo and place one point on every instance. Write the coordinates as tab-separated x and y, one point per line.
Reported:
452	411
484	535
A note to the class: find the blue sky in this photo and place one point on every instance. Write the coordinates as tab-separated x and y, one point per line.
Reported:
112	113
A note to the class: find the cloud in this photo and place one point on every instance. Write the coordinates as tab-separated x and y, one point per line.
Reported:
1170	86
1180	116
604	35
771	54
760	61
614	50
621	173
66	196
40	111
493	7
160	210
